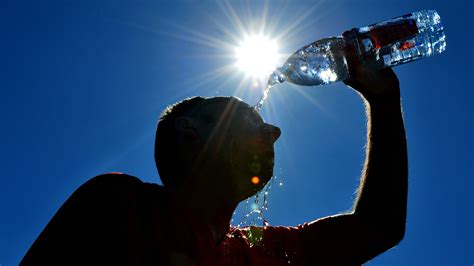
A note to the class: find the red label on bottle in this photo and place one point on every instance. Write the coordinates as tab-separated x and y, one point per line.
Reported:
385	35
407	45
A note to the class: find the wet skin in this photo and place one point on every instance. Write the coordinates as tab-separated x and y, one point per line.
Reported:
224	145
231	145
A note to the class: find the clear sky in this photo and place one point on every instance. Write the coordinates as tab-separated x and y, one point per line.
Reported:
82	84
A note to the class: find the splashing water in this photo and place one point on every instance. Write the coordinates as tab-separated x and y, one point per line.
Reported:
257	206
275	78
259	105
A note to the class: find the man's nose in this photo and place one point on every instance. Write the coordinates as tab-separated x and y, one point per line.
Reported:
272	132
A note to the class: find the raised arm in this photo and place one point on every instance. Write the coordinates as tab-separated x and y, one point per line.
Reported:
377	221
382	194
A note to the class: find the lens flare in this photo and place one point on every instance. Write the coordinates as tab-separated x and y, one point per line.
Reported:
255	180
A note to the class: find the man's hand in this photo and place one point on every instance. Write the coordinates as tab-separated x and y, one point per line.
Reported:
372	84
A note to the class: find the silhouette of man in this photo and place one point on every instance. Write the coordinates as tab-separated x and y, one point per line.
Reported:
208	153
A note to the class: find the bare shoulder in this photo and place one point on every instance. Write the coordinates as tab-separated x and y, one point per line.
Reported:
115	192
103	188
99	215
111	181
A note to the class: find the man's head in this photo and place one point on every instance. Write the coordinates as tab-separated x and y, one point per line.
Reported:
218	142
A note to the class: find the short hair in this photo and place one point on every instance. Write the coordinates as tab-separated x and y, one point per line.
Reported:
166	157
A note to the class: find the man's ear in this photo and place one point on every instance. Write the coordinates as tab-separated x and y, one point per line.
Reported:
185	126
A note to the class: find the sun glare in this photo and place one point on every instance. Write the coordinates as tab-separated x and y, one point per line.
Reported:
257	55
246	47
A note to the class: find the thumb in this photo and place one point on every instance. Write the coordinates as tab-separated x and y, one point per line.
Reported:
353	61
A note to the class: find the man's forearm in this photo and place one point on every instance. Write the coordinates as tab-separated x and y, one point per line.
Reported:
382	195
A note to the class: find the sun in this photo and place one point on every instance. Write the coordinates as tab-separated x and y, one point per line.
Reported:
257	55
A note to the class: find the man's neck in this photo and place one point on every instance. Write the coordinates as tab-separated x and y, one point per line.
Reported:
210	209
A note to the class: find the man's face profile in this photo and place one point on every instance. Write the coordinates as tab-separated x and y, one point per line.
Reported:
232	144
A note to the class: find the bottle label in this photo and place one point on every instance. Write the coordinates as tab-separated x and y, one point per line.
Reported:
393	32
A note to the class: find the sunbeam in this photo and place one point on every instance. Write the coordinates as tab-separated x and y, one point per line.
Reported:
245	45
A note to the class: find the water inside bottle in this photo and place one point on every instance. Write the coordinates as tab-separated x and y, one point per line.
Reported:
321	62
318	63
403	39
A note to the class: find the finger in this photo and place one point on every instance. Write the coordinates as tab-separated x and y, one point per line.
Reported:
351	56
347	33
353	63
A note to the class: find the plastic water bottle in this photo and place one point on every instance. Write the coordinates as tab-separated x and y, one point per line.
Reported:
385	44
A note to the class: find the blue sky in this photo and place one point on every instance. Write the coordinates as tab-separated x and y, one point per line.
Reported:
82	84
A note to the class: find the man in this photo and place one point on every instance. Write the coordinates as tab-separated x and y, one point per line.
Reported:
211	154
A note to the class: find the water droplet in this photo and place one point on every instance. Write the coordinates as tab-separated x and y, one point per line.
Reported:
257	207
